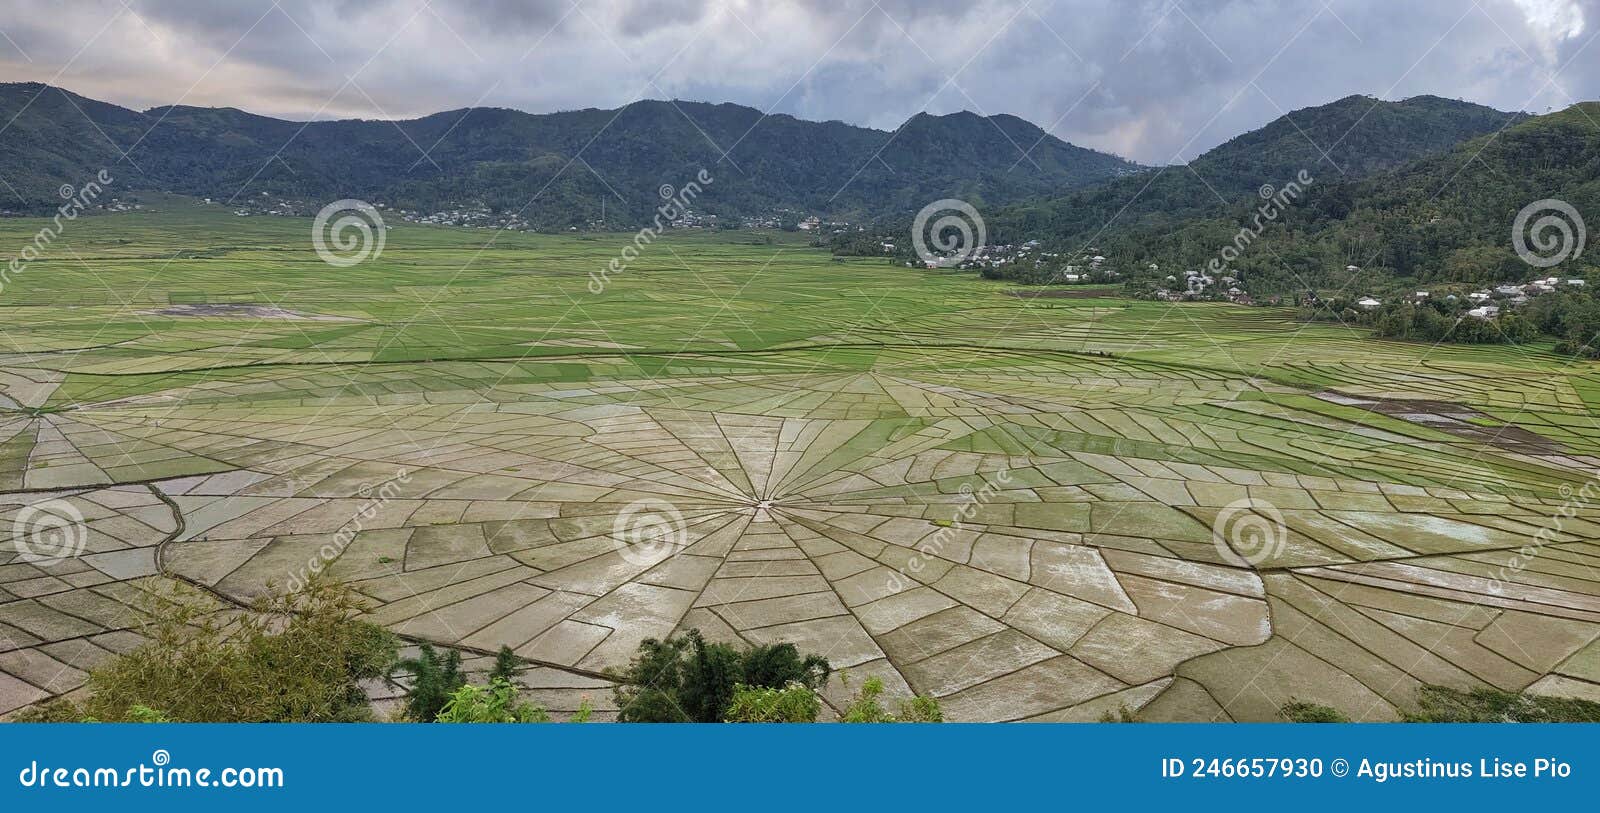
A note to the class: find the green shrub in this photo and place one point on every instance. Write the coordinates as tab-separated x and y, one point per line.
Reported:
1439	704
687	679
584	712
506	666
1301	712
919	709
59	710
865	707
793	703
145	714
62	710
433	681
296	658
495	703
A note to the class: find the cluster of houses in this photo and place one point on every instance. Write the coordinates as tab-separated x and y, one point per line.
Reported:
475	217
1488	303
1006	254
1092	267
1089	267
1200	285
472	217
115	205
1513	295
266	204
766	221
813	224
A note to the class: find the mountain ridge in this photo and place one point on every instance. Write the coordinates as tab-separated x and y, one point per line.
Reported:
1448	217
565	161
1349	138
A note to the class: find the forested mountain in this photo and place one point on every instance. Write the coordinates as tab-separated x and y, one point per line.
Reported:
564	163
1348	139
1443	218
1505	207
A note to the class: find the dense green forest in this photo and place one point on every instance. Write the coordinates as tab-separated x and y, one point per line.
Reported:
1444	218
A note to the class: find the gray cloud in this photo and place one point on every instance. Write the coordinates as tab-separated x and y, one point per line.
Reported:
1155	80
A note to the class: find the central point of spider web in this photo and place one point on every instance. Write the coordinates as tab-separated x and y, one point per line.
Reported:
764	503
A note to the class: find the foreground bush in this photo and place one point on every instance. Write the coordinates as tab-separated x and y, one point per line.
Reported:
295	658
1300	712
433	681
1441	704
686	679
1437	704
495	703
793	703
866	708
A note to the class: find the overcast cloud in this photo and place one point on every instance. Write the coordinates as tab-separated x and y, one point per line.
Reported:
1154	80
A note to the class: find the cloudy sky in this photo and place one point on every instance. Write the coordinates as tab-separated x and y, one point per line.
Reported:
1154	80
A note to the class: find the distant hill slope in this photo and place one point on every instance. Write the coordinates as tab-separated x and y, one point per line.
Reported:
1348	139
1446	217
565	163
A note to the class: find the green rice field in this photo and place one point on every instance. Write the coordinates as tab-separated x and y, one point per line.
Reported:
1045	508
